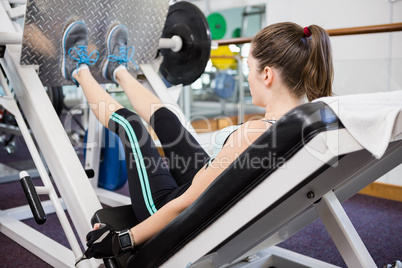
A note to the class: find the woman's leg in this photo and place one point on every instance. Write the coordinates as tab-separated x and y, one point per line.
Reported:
185	156
74	67
114	69
144	102
183	153
101	103
150	183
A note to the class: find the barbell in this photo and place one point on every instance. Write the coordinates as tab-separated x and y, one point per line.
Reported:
185	44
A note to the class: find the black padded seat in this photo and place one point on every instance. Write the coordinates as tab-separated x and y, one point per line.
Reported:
281	141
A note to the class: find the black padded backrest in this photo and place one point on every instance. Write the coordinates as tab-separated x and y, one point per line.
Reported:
277	144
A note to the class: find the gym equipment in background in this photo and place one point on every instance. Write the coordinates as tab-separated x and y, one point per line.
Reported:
257	15
236	33
7	140
217	24
112	168
224	85
57	98
223	58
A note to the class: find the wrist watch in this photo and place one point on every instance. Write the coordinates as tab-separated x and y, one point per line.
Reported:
126	240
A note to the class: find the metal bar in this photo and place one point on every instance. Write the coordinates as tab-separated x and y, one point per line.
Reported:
187	101
161	91
22	2
43	190
42	246
10	38
253	13
344	235
93	147
175	43
51	137
234	41
11	129
241	110
224	57
17	12
48	186
383	28
24	212
111	198
11	174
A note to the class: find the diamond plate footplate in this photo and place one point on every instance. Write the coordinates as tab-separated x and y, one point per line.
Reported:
46	19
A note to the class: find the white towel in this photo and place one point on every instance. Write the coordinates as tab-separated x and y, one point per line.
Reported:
369	118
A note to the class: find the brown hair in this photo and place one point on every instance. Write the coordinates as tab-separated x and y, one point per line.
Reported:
305	62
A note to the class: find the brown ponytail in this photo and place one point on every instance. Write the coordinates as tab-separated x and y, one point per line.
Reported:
304	60
318	72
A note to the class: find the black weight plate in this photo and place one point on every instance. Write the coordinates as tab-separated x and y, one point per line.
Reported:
187	21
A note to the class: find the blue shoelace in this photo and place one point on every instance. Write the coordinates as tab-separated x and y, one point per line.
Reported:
83	56
123	57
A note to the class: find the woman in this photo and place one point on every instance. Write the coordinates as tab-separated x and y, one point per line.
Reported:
287	64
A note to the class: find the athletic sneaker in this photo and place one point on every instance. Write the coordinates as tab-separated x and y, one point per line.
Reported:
75	49
118	54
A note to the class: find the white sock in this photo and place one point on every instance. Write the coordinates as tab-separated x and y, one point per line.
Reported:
82	67
118	69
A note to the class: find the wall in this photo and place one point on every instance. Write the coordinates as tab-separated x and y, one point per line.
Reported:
363	63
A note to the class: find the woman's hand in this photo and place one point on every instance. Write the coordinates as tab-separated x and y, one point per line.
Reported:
96	226
103	242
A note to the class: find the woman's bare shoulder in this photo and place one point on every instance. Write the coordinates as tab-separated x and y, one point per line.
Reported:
248	132
255	126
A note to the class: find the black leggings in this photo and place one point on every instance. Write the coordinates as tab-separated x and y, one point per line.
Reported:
154	181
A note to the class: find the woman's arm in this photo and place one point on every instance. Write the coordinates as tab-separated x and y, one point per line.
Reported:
235	145
155	223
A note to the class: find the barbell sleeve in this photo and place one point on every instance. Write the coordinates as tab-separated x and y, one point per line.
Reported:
175	43
32	197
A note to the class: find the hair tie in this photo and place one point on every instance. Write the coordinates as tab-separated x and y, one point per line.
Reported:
306	32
